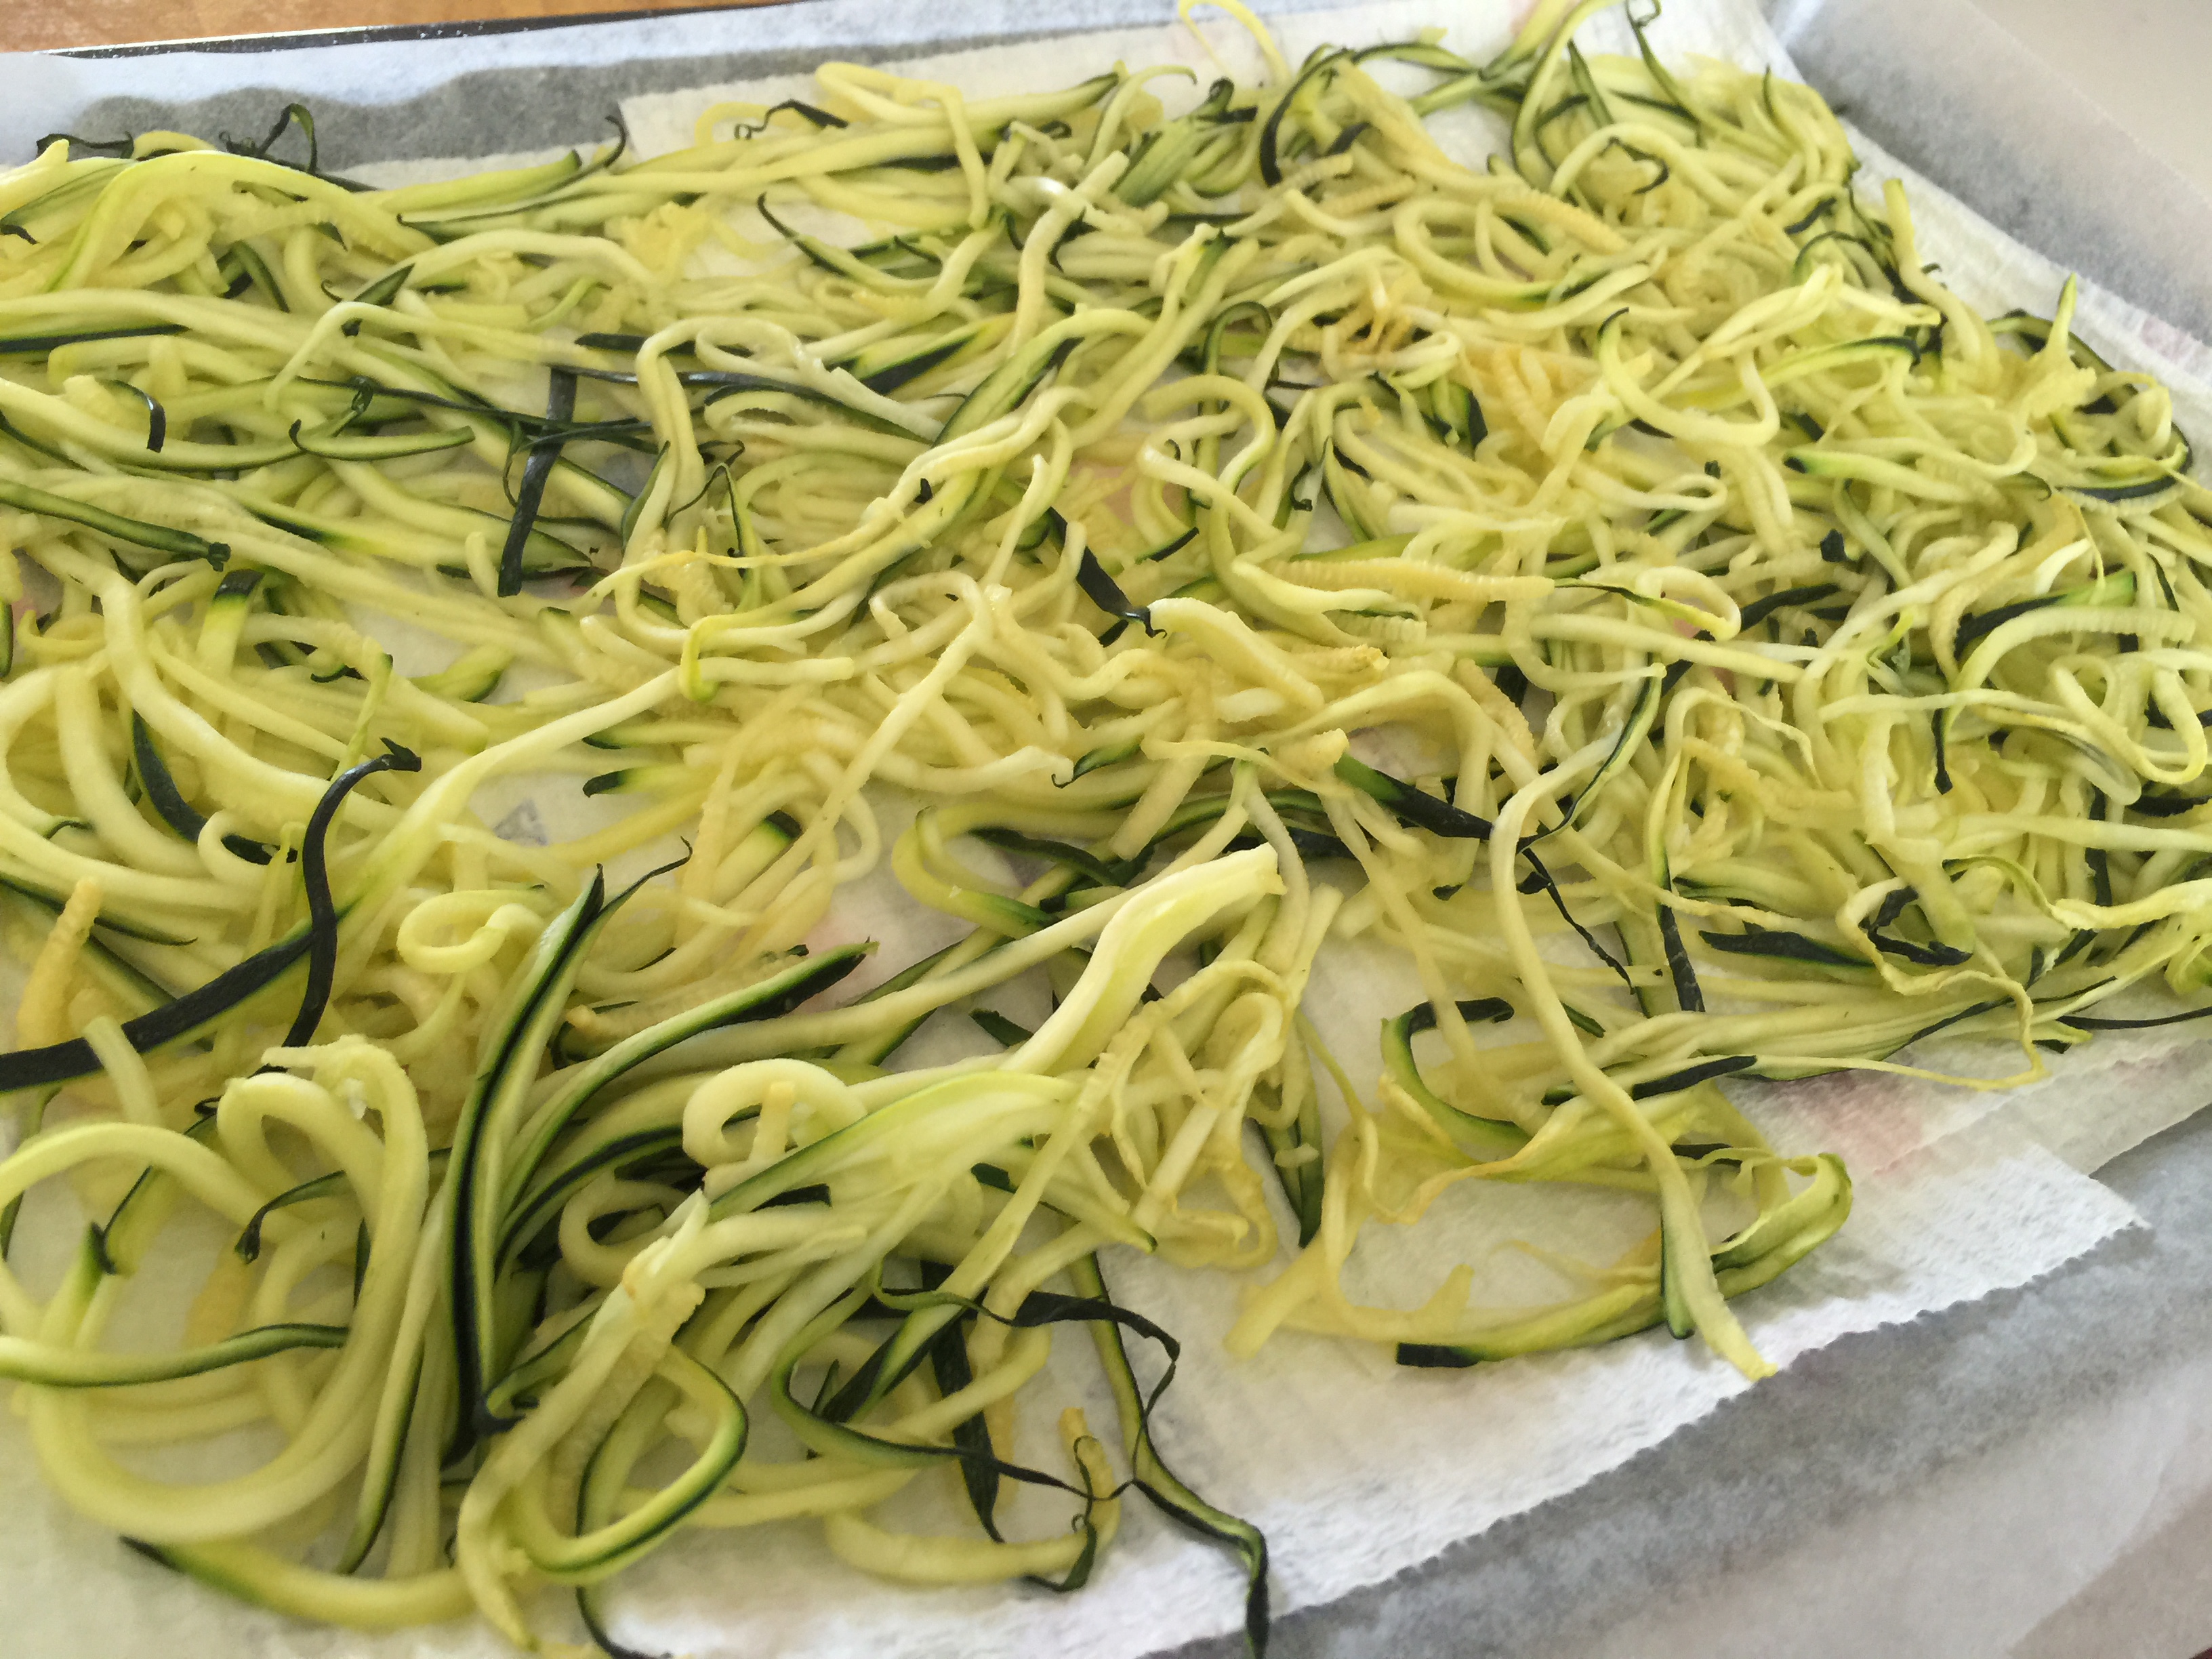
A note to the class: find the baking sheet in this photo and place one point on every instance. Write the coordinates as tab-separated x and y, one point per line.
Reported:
1952	94
517	88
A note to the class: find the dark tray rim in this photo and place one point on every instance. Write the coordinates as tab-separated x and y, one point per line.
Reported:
381	33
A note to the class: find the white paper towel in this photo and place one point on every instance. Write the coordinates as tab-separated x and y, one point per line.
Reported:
1355	1468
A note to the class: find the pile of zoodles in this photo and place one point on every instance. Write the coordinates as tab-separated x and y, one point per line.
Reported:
1792	664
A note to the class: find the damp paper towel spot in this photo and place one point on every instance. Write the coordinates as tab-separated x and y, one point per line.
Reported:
1355	1468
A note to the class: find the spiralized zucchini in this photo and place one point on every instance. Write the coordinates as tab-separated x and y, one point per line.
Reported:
1623	582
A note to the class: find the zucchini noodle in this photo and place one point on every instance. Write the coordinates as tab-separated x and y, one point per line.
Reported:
1624	583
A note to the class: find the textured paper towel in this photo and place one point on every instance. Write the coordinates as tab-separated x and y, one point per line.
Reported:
1355	1469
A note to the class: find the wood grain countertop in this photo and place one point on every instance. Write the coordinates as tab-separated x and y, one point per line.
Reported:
43	25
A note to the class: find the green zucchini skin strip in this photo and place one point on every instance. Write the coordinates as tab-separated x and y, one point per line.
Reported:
806	1166
823	1428
1690	1076
157	418
949	1367
1270	158
1106	593
62	1062
1486	1140
103	961
471	1190
1763	1251
1633	731
247	1246
891	375
768	999
23	1360
1417	807
2090	1023
332	447
607	1549
1688	995
1001	1030
1101	873
40	345
475	1187
384	289
2117	589
163	796
1149	1473
1009	385
875	1050
322	912
1302	1183
1540	880
1757	941
262	1579
544	452
176	543
248	270
531	1214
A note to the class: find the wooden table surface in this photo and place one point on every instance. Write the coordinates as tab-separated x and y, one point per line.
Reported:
39	25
